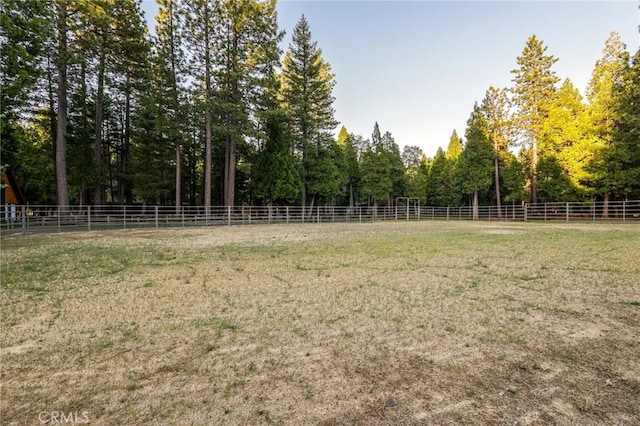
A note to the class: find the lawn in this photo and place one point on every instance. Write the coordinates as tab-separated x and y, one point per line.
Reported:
369	324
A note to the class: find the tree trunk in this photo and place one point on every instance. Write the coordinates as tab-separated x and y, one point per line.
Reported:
303	197
534	173
127	195
112	190
230	170
476	214
178	180
176	116
97	191
208	118
61	132
496	164
313	201
86	132
53	122
232	124
351	200
207	159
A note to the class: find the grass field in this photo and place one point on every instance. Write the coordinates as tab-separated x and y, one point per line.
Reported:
386	323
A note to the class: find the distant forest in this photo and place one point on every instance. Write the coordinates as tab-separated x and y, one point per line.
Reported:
210	111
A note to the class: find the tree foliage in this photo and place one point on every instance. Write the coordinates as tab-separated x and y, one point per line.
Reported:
534	89
475	167
95	110
307	96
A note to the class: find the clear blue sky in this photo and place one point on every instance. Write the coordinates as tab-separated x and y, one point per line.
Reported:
417	67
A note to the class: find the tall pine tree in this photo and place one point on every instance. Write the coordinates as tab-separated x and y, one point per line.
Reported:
495	107
474	172
307	86
603	113
533	92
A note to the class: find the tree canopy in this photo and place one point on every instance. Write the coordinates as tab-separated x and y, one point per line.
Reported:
209	110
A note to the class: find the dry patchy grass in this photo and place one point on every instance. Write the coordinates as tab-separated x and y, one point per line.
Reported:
391	323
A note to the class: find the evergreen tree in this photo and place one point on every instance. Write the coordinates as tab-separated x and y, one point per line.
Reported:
347	143
131	66
171	63
199	36
454	149
533	91
62	62
416	172
111	38
622	157
439	183
97	44
495	107
307	85
246	53
33	161
396	168
152	148
553	183
603	114
375	166
474	172
276	178
324	177
452	154
24	28
565	147
26	144
514	176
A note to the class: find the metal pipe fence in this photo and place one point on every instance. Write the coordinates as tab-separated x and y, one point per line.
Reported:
36	218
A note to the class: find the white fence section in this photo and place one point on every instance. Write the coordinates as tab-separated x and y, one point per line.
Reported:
33	218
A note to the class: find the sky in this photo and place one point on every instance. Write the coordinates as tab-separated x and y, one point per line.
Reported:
417	67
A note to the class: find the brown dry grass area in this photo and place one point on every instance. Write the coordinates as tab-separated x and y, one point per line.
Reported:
390	323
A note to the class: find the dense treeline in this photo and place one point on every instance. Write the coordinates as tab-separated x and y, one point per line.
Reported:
210	111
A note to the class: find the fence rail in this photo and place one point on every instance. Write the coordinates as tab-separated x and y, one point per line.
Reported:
34	218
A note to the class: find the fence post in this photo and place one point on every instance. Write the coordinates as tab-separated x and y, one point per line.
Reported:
229	215
624	211
88	218
318	213
23	219
182	209
567	207
59	213
124	217
156	217
359	214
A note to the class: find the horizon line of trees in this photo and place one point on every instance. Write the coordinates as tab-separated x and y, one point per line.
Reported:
210	111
